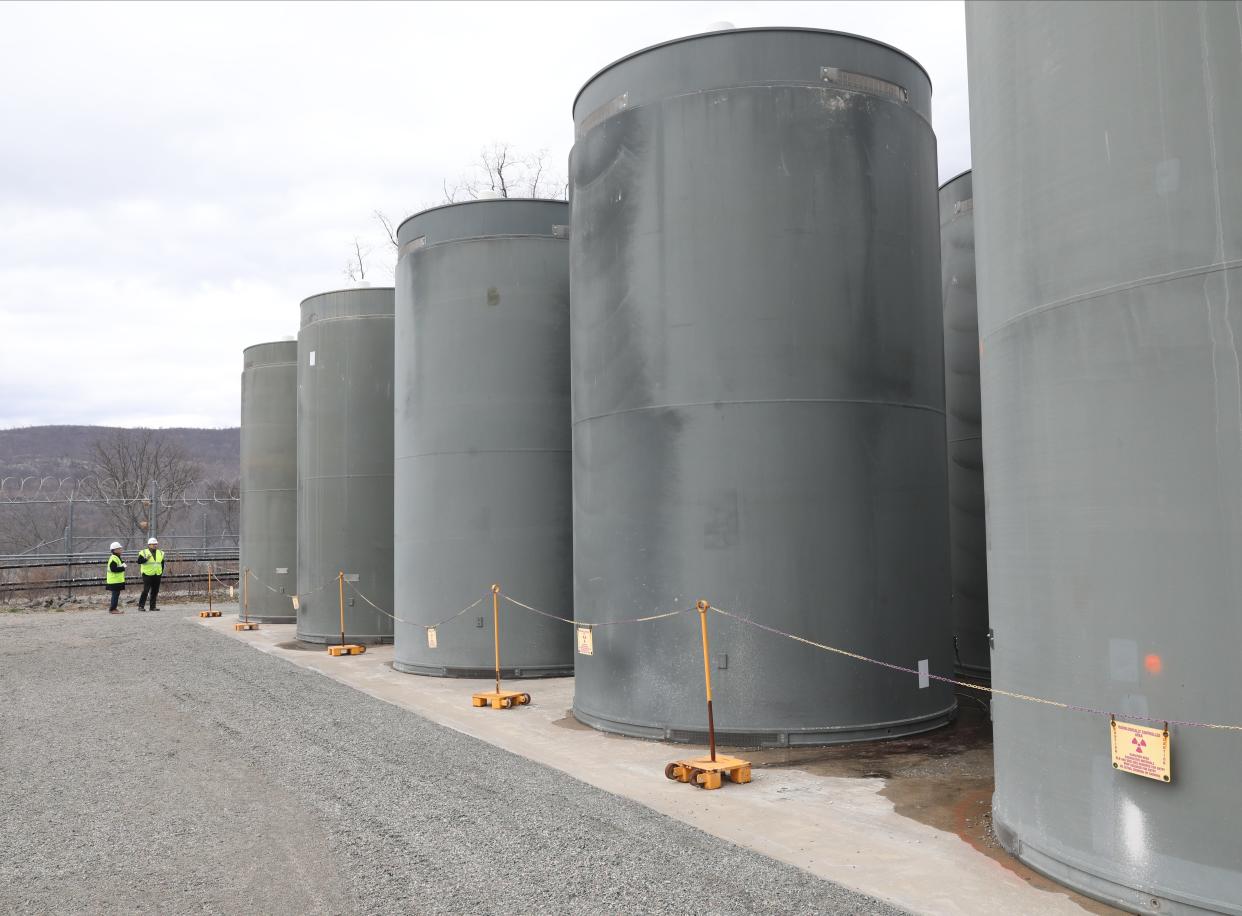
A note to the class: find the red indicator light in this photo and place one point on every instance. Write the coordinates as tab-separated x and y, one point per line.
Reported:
1153	664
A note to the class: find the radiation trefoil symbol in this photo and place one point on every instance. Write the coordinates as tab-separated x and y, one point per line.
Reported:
1139	743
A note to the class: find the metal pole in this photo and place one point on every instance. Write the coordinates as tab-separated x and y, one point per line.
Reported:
209	607
707	677
340	585
496	630
246	594
155	509
69	547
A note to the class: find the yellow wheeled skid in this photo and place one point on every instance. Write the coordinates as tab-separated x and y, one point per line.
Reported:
707	773
344	648
211	611
244	622
500	699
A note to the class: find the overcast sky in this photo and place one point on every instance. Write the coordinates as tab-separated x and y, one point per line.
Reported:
175	179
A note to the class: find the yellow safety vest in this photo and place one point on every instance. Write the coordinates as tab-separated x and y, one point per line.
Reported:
152	565
115	575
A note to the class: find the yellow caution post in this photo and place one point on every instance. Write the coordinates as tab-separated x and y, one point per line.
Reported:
245	623
707	772
344	648
211	611
498	699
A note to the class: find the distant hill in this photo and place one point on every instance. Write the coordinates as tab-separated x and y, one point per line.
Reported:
65	451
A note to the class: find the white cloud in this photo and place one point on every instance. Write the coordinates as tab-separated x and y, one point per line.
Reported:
176	178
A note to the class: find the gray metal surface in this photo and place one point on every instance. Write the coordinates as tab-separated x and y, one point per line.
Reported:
269	478
345	407
1107	141
967	530
758	383
482	474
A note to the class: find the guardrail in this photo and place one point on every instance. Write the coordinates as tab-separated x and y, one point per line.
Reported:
224	576
18	561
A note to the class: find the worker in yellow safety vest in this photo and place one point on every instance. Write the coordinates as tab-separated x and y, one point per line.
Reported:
114	577
152	560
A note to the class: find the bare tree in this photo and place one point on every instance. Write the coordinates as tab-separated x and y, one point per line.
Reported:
390	232
225	496
356	266
502	170
26	525
493	161
390	229
126	462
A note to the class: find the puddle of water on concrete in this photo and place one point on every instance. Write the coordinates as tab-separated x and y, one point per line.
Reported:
296	645
943	778
569	722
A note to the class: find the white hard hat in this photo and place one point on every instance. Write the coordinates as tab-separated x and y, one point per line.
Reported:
152	541
116	545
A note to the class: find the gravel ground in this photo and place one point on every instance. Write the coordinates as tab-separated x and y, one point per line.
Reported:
149	766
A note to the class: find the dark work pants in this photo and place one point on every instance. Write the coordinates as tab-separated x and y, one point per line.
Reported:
116	596
150	584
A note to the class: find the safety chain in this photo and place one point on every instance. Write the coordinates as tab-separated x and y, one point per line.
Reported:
425	626
275	591
573	621
996	691
602	623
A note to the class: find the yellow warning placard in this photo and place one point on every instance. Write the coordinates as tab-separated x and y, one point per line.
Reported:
1142	750
294	599
586	643
431	638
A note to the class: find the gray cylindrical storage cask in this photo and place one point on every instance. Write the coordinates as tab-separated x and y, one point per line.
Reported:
758	389
1107	144
482	436
967	529
345	456
269	479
